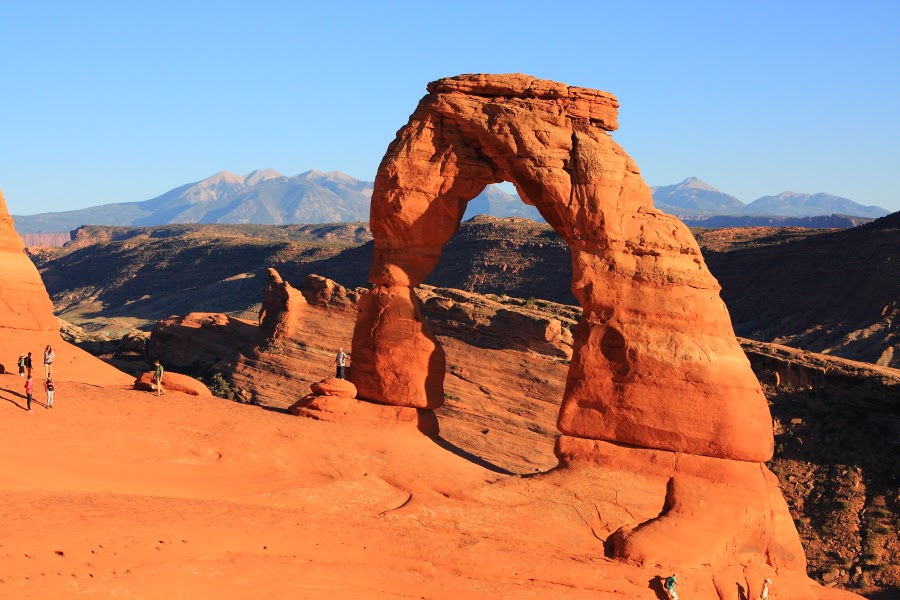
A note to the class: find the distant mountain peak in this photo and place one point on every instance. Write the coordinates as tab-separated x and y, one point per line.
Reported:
222	177
315	175
695	184
257	176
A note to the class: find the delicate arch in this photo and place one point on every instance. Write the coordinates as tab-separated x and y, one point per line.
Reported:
655	361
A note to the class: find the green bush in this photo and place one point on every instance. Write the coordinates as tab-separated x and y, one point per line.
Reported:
220	388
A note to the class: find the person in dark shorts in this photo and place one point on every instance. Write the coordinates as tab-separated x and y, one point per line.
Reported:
340	361
28	365
29	391
48	361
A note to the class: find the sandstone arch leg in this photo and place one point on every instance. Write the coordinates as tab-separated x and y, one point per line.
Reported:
423	185
396	358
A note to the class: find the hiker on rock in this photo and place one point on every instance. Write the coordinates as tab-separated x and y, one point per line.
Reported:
48	387
669	586
28	365
340	361
48	361
158	377
21	364
29	391
764	594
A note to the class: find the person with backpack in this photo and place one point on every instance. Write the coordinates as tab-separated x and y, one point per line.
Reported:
48	387
29	390
21	364
48	361
669	586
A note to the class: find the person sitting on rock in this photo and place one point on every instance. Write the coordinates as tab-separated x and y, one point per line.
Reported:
340	361
669	586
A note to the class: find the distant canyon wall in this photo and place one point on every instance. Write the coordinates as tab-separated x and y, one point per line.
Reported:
46	240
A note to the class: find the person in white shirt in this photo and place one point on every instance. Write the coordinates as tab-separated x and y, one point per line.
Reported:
340	361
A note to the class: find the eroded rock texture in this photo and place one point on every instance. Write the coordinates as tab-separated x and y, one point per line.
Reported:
655	361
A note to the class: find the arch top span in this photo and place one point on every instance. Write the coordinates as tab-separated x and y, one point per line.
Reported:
655	362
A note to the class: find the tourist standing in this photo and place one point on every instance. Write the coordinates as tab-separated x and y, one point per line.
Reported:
158	378
21	364
340	361
29	391
764	594
48	387
48	361
28	365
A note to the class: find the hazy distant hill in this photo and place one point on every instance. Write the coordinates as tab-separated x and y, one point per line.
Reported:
818	222
494	202
793	204
695	198
262	197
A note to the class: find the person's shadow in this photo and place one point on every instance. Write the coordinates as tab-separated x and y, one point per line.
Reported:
10	400
656	584
742	595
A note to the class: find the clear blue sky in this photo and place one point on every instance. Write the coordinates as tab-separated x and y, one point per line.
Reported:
122	101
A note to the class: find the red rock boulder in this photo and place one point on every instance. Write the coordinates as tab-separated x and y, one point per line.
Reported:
334	387
173	382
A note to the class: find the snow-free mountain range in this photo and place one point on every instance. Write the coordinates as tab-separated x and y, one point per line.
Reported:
270	198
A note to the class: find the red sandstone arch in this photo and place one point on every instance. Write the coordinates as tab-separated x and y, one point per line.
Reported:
655	362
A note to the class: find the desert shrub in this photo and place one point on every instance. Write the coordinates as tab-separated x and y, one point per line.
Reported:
220	387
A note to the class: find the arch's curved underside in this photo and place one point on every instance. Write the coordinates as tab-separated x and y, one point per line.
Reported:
656	363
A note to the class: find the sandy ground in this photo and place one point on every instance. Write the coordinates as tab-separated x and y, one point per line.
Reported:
116	493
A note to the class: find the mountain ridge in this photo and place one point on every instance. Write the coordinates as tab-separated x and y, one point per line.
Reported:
268	197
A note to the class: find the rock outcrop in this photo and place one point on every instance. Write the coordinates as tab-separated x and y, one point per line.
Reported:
655	360
335	400
27	322
282	307
173	382
24	302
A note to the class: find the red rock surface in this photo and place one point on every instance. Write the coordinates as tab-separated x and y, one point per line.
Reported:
173	382
200	340
27	323
334	387
142	497
655	363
